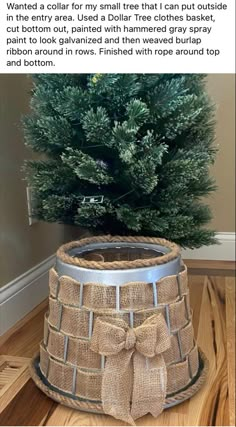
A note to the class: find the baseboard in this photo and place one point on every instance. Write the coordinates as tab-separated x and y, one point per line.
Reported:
24	293
224	251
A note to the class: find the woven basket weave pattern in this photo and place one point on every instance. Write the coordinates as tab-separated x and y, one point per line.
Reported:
115	346
65	356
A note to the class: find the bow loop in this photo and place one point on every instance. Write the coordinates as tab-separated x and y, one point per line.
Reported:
153	336
109	336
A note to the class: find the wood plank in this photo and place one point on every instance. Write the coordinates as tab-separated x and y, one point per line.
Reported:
230	332
206	406
68	417
196	285
24	340
19	325
210	268
30	407
226	266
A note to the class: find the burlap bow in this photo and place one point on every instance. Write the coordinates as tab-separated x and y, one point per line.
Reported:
134	379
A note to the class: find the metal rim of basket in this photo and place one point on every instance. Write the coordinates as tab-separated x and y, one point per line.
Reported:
118	276
66	253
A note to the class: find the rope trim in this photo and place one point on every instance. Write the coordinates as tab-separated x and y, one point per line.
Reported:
86	405
117	265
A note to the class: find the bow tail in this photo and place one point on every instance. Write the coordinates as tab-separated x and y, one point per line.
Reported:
117	385
149	388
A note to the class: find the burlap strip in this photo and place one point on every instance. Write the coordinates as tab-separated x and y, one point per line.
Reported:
75	321
178	375
53	282
88	384
133	296
79	353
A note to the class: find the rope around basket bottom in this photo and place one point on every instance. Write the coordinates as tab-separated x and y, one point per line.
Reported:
96	407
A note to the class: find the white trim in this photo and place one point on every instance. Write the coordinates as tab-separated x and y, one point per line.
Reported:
24	293
224	251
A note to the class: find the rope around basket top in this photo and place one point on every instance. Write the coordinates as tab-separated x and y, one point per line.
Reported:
62	253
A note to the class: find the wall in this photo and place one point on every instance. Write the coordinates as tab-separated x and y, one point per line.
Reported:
21	246
221	88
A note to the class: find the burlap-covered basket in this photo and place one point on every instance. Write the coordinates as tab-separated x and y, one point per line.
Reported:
118	336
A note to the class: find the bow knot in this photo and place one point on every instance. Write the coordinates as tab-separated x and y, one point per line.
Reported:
135	369
130	339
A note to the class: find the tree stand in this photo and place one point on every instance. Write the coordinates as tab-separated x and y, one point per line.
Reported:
118	336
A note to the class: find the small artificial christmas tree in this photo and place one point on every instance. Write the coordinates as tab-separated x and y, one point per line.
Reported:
123	153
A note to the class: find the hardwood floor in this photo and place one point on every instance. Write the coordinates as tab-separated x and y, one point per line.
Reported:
213	305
